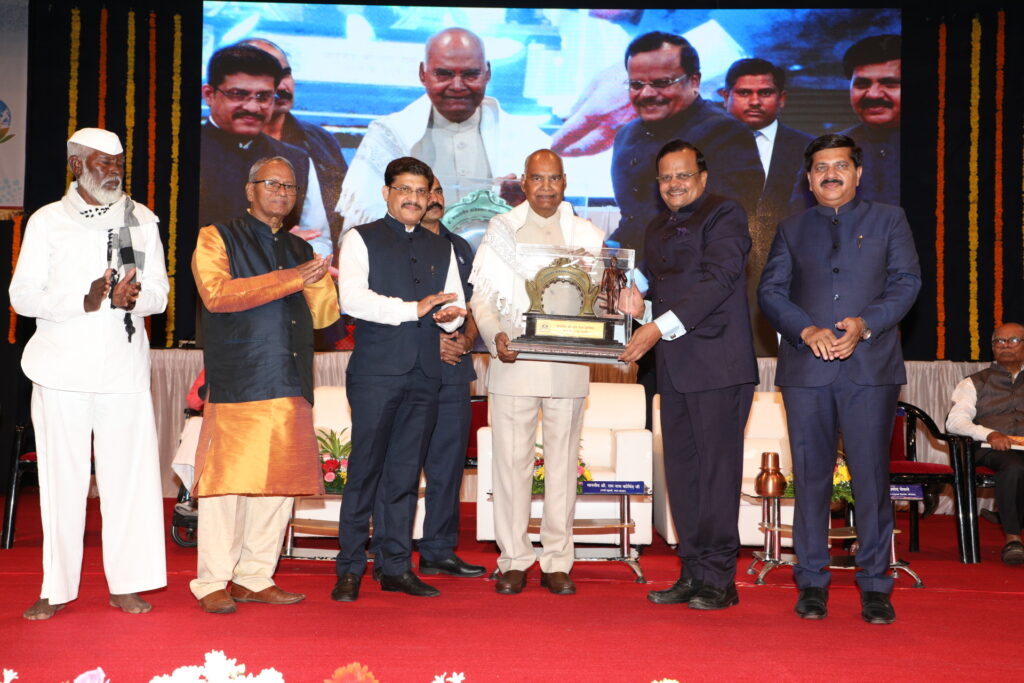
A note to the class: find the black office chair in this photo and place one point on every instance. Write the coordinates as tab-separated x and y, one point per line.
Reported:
22	461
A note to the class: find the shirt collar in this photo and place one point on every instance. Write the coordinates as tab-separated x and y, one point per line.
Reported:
844	209
399	225
769	131
439	122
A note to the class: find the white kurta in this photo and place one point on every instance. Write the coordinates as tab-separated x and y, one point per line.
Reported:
90	380
522	390
507	140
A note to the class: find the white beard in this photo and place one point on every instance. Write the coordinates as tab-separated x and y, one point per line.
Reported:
87	181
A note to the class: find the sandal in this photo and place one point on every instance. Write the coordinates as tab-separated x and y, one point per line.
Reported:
1013	552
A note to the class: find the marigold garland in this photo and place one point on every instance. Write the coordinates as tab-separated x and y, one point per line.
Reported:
997	182
151	119
73	52
172	218
940	203
972	193
129	105
12	327
101	91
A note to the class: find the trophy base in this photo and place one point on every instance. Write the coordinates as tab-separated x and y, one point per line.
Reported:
566	352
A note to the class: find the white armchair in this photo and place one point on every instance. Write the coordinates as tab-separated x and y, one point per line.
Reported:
765	431
331	411
616	447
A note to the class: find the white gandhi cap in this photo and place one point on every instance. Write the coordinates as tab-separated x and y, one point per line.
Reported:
99	139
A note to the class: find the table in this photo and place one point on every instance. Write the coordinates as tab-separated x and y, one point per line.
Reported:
772	555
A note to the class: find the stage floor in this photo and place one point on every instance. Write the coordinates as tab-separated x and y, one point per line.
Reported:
964	625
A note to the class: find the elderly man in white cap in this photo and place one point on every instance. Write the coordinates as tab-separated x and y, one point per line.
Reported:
91	269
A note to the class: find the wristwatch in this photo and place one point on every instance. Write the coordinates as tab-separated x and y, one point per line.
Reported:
866	334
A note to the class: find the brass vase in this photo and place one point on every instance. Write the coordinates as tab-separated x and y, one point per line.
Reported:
770	482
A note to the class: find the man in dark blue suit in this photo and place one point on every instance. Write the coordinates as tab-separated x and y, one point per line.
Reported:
839	278
394	275
695	256
664	88
755	94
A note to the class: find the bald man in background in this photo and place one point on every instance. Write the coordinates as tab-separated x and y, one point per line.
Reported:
464	136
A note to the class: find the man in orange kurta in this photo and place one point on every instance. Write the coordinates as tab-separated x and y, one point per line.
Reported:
263	292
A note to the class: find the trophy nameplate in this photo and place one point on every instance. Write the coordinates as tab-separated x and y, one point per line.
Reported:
569	318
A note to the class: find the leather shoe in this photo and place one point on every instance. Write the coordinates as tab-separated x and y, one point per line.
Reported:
876	608
679	592
511	582
711	597
271	595
377	573
1013	553
453	565
347	588
812	603
217	602
409	584
558	583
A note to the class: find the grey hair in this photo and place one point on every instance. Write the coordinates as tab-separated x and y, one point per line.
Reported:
260	163
76	149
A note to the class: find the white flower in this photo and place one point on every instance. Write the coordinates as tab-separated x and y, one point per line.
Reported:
456	677
10	675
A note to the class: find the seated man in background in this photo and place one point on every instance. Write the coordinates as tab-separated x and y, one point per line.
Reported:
988	406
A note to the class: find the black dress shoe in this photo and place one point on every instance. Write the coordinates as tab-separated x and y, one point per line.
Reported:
377	573
558	583
347	588
409	584
452	565
710	597
812	603
679	592
511	582
876	608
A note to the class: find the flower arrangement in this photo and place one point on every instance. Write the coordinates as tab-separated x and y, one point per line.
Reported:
842	485
334	452
582	472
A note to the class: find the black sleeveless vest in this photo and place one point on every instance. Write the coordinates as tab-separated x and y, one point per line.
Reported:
267	351
407	265
1000	400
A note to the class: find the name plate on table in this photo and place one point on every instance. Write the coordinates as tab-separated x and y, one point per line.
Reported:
906	491
573	295
620	488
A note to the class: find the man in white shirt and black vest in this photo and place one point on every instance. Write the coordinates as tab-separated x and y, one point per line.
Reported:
395	278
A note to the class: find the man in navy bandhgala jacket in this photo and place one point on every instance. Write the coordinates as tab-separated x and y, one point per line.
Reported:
839	278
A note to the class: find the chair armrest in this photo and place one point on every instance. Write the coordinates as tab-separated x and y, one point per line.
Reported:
634	455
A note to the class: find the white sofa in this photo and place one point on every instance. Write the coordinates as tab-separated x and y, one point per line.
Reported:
615	446
765	431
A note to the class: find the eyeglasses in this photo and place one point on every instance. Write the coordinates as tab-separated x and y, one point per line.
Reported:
405	189
1006	341
681	177
657	83
283	95
277	186
239	96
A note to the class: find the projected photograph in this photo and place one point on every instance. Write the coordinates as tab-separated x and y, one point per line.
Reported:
472	91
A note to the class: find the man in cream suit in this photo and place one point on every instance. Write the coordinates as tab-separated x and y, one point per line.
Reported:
519	389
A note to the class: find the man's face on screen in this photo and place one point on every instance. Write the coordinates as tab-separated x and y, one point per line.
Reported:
875	93
662	66
241	104
755	100
455	76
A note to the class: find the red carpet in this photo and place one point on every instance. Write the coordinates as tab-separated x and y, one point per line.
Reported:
964	625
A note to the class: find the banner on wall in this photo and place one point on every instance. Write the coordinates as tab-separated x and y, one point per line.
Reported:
13	104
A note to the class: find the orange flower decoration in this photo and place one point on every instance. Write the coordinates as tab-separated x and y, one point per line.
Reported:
353	673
